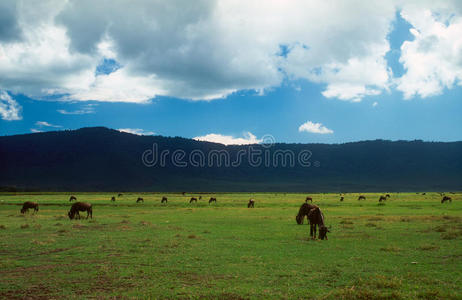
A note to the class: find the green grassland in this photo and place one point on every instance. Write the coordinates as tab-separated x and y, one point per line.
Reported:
408	248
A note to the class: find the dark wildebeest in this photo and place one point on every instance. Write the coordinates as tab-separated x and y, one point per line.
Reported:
341	199
80	206
251	203
446	198
303	211
113	199
184	193
212	199
200	197
193	199
308	199
387	195
29	204
164	199
139	200
382	198
72	198
120	195
315	218
361	197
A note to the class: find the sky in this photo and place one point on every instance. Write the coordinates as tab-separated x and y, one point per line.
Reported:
234	71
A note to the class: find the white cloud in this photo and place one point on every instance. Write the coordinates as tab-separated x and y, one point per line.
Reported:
248	138
205	50
86	109
136	131
375	104
314	128
10	110
34	130
433	60
46	124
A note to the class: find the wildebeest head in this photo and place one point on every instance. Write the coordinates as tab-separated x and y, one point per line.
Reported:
23	210
299	219
323	230
71	215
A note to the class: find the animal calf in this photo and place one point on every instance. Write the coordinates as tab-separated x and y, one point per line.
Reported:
446	198
316	218
29	204
251	203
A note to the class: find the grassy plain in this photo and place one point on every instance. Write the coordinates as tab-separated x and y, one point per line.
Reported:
408	248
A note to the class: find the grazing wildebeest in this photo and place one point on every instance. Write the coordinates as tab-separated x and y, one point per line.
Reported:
387	195
424	193
29	204
120	195
308	199
341	198
193	199
113	199
200	197
212	199
382	198
303	211
139	200
80	206
164	199
184	193
251	203
446	198
72	198
361	197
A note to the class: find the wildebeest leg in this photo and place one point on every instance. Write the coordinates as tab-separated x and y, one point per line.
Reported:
314	236
311	230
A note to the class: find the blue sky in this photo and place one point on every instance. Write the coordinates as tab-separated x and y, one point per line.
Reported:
393	83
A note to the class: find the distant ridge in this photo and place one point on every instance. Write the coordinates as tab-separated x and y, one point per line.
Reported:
102	159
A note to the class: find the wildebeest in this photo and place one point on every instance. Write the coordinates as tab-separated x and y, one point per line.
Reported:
387	195
192	199
212	199
341	198
139	200
382	198
303	211
80	206
183	193
120	195
446	198
361	197
72	198
308	199
29	204
251	203
164	199
113	199
200	197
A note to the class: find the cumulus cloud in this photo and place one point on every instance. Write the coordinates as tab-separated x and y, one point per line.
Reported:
248	138
314	128
10	110
136	131
433	60
204	50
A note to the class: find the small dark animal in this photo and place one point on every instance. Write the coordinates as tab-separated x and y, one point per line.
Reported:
200	197
251	203
308	199
341	199
120	195
387	195
424	193
139	200
446	198
184	193
193	199
164	199
303	211
72	198
113	199
29	204
213	200
323	232
382	198
316	218
361	198
80	206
